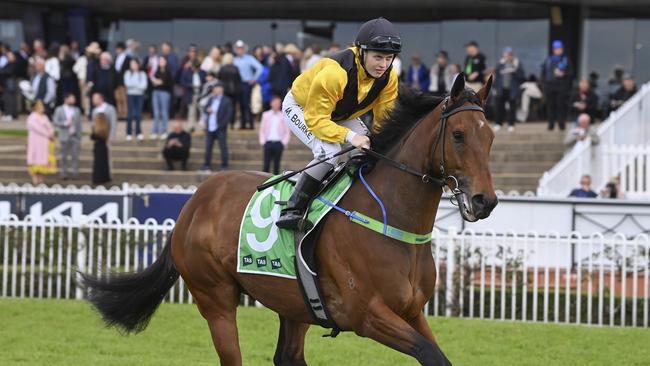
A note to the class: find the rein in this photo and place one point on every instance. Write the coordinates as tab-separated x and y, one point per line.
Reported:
426	178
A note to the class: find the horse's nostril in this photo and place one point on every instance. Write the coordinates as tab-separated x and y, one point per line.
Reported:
479	201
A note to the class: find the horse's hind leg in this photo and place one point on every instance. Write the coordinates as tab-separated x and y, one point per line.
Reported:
290	350
220	310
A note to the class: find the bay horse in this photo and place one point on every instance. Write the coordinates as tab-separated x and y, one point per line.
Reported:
372	284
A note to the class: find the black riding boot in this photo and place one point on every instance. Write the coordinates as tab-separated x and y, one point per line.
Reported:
292	214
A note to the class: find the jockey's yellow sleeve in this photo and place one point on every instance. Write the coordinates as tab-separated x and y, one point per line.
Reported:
318	90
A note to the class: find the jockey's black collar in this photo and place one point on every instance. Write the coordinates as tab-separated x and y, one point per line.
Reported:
444	178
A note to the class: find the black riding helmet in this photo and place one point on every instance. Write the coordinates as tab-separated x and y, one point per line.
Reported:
378	35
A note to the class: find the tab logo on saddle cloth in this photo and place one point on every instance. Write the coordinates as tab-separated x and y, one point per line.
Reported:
263	247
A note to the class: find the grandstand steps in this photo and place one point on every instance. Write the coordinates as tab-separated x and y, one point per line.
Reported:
518	158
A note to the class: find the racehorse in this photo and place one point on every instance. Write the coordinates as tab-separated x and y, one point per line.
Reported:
372	284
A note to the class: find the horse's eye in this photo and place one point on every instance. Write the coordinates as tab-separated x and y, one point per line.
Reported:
458	136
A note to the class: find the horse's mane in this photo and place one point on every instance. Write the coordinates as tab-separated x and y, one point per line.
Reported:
409	108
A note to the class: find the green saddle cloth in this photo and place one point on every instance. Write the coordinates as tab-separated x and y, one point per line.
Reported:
263	247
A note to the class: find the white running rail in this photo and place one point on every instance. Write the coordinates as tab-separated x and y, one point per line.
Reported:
503	276
629	125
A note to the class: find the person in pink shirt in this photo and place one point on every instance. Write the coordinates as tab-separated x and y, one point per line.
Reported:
40	144
274	135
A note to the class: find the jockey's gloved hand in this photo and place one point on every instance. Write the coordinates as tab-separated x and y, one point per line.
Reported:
360	141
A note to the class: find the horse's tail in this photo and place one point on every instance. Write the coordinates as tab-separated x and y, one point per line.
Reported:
128	300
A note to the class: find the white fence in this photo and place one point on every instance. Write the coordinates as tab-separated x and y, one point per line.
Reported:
629	125
527	277
549	278
40	259
632	164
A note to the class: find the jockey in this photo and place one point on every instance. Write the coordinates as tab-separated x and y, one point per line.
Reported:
324	105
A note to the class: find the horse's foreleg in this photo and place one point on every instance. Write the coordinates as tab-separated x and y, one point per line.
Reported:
421	326
386	327
291	343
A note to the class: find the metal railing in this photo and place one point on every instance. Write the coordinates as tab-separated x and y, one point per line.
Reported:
629	125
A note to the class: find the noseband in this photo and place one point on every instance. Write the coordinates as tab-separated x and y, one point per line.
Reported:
427	178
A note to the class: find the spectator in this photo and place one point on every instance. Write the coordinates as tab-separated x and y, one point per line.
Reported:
192	79
84	68
274	135
229	76
259	55
556	83
509	77
161	97
293	55
171	58
190	57
585	188
613	189
75	50
104	78
100	135
219	110
22	62
440	77
38	48
135	81
180	96
100	105
249	70
177	146
280	75
474	66
581	132
206	92
67	119
454	71
584	100
311	57
266	89
122	62
529	91
616	81
40	146
43	86
212	63
133	48
150	65
417	76
52	65
625	92
68	82
9	87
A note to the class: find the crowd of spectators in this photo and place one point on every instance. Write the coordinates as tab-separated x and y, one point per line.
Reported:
235	86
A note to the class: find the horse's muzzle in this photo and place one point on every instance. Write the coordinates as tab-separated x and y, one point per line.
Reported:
478	207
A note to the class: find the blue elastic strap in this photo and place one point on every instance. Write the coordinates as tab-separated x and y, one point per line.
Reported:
372	193
341	210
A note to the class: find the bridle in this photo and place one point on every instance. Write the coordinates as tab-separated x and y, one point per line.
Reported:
427	178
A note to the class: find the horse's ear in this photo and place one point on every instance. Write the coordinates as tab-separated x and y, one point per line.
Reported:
458	86
484	93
